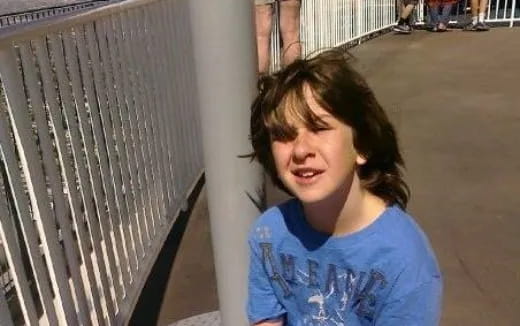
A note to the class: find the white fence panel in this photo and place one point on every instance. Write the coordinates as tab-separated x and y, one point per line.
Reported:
54	179
498	11
63	142
330	23
99	149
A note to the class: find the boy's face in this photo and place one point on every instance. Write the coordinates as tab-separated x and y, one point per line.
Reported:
317	164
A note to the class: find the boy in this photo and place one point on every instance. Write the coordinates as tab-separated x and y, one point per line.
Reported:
343	252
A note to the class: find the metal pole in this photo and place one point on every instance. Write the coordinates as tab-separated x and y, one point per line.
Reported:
225	60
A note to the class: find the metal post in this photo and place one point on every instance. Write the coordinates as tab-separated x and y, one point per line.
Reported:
225	60
513	10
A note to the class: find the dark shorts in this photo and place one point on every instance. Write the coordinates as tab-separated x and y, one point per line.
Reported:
410	2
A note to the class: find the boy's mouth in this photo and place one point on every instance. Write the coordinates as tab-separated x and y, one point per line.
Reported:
306	175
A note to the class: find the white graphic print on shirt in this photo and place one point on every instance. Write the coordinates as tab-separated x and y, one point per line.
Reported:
325	294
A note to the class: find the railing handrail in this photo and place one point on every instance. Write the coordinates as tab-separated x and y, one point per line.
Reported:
54	24
35	10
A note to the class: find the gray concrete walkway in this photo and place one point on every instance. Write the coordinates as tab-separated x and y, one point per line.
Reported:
455	100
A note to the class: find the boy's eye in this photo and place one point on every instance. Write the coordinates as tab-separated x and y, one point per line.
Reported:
281	139
321	129
282	135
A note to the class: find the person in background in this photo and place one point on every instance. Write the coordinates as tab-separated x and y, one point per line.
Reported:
289	29
403	24
439	11
478	13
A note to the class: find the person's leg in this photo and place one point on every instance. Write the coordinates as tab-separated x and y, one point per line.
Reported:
407	11
434	14
403	25
445	15
482	7
264	21
401	7
290	30
481	25
472	26
478	14
474	10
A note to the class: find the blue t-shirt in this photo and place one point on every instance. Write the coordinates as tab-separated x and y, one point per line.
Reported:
385	274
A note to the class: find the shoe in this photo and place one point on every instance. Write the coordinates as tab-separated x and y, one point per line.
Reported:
442	28
403	29
470	27
482	27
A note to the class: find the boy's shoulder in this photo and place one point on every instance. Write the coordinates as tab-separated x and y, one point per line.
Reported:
272	223
401	228
403	237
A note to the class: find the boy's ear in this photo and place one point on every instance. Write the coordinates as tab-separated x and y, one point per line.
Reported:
360	159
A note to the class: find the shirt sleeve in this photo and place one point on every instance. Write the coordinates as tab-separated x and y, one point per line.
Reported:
419	307
262	303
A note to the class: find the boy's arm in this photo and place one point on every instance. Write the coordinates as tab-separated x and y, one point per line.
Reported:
419	307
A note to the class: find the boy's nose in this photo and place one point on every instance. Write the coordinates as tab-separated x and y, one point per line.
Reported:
302	147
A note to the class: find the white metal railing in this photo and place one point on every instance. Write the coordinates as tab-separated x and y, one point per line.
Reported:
498	11
99	148
330	23
36	14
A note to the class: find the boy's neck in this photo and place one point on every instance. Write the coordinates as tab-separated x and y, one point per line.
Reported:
346	212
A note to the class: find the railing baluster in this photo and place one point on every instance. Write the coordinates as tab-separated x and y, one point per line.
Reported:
100	260
513	11
37	188
110	172
128	67
149	33
122	173
10	242
53	175
184	108
177	112
64	157
71	54
169	75
133	44
196	160
124	100
99	162
194	142
147	113
161	81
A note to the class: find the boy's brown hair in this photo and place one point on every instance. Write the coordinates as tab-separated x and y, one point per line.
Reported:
342	92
